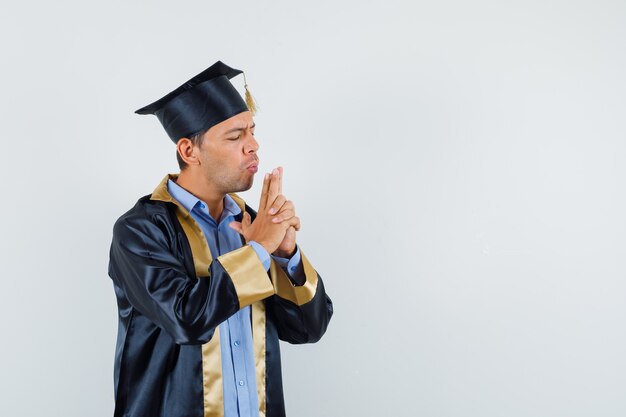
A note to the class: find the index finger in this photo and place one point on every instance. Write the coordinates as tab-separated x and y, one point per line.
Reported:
273	187
264	191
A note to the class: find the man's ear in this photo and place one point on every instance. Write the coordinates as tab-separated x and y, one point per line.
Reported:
184	147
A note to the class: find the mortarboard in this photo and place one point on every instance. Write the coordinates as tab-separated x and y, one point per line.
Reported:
204	101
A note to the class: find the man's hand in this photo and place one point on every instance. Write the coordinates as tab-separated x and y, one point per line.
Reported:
271	230
284	210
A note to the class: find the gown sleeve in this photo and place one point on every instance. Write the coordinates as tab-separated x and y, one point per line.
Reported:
156	283
302	310
292	266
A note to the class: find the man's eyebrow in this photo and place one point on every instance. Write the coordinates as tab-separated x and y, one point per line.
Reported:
235	129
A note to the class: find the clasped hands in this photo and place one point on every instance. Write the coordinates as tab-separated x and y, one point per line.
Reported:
276	223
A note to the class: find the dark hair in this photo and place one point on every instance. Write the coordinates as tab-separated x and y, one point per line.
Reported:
196	140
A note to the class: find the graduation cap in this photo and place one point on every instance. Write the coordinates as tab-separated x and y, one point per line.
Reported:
205	100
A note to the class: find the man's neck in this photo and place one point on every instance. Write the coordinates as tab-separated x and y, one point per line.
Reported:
204	190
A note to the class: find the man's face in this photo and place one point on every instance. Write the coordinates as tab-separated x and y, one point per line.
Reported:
228	155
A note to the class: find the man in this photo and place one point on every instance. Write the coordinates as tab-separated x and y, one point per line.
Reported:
205	285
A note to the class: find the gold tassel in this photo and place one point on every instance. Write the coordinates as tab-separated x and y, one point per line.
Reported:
250	101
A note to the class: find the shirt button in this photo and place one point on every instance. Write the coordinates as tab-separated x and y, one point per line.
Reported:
237	343
241	383
201	205
293	268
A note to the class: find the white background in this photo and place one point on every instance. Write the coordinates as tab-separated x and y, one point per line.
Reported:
458	168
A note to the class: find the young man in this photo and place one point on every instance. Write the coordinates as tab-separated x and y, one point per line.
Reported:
205	285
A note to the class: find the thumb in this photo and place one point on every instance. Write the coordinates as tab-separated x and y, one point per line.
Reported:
242	225
236	226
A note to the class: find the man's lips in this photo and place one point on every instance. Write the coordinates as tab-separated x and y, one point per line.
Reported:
253	167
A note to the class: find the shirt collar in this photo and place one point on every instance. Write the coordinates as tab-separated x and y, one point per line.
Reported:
189	201
161	193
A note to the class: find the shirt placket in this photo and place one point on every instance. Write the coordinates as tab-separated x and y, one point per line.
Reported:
236	343
236	338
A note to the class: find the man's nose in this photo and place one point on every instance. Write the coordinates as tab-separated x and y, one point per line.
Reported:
251	144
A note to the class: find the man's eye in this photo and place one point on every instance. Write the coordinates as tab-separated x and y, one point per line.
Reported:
237	138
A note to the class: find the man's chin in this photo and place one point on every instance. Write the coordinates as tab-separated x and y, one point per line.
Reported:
245	186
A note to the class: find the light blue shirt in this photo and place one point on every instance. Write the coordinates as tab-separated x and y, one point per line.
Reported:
239	375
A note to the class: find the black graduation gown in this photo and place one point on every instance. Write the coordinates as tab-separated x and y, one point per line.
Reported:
171	297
